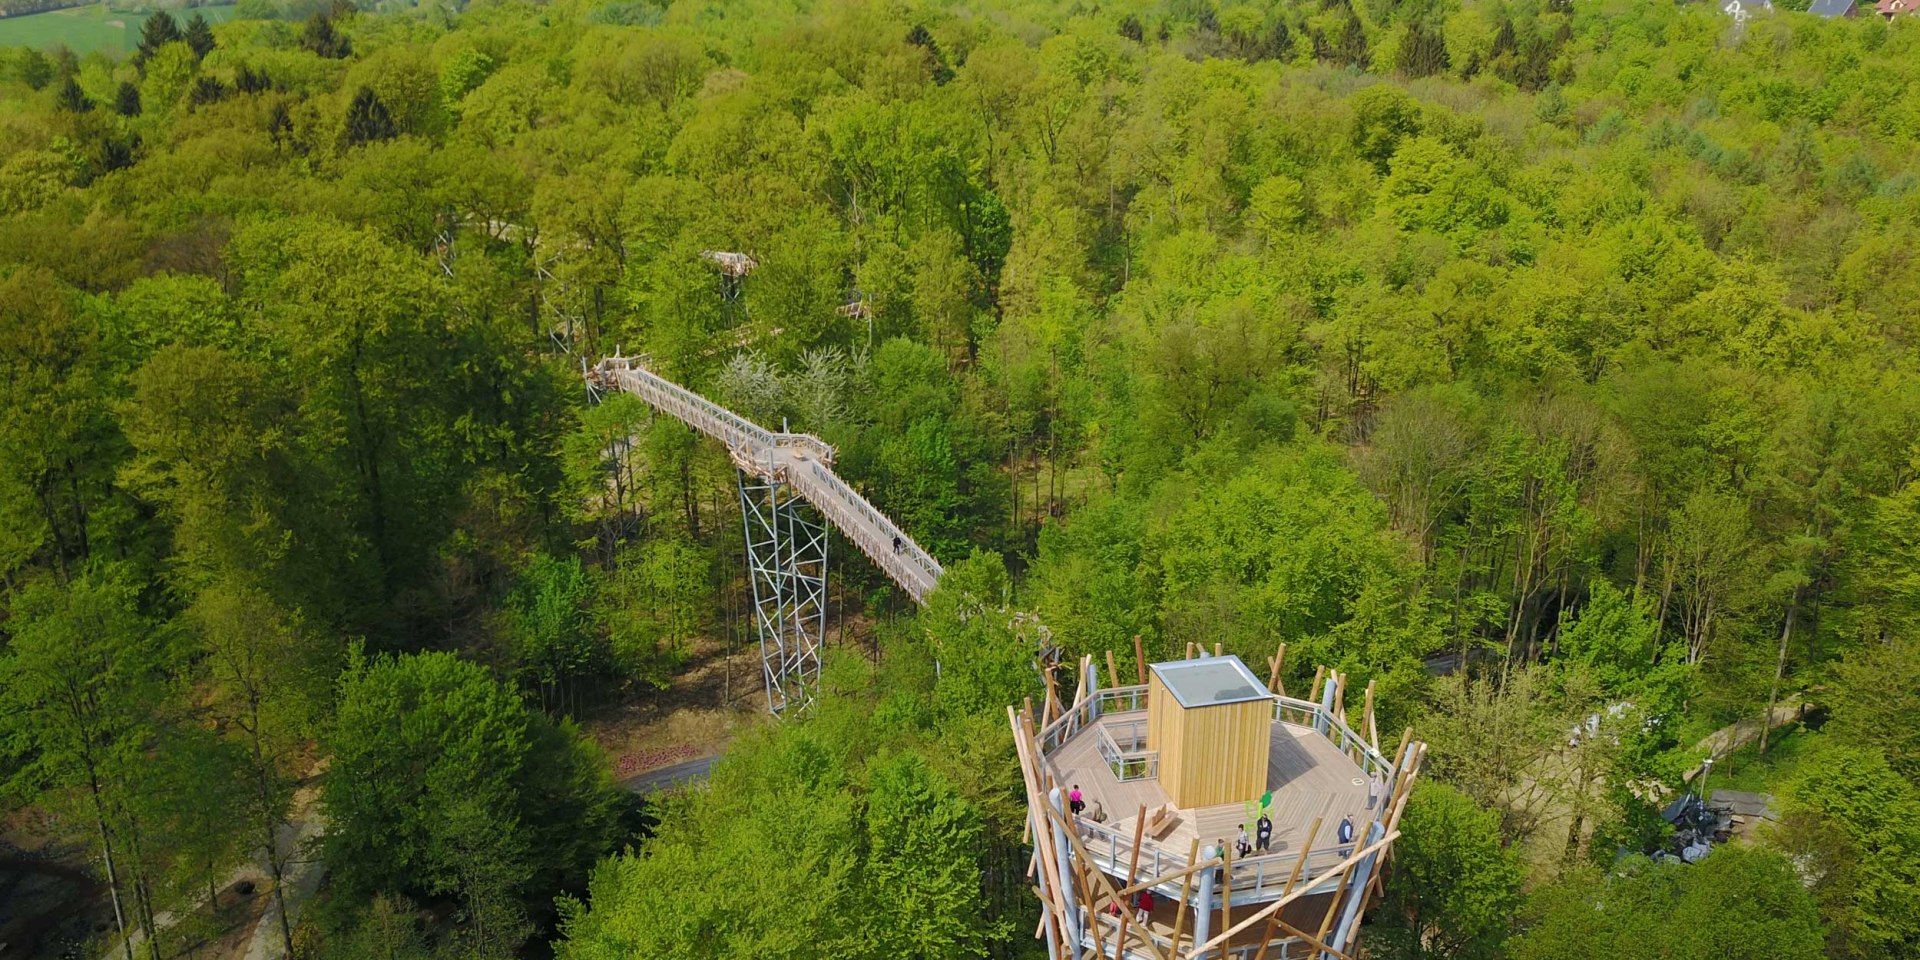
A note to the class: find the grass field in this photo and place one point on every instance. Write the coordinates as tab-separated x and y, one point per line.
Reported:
89	28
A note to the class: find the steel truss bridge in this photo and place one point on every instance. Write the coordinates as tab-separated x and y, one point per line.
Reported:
789	495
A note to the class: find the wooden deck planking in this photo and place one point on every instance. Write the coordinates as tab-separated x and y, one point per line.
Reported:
1308	775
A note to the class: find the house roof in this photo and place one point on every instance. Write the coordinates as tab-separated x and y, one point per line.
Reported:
1831	8
1210	681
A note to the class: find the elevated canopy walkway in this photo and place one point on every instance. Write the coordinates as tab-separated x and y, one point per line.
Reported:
800	461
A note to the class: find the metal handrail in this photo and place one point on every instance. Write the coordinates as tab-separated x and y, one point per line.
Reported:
1254	878
1132	762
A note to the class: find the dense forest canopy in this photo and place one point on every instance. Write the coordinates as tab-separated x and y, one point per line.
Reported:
1552	364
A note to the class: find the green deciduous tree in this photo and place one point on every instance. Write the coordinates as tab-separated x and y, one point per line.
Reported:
82	682
1741	903
1855	825
1456	882
442	782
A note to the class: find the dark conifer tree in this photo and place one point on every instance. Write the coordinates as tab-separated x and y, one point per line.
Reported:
117	154
920	37
248	80
35	70
1354	51
1423	52
159	30
126	100
320	37
73	99
207	90
1279	41
368	119
1131	29
199	36
280	125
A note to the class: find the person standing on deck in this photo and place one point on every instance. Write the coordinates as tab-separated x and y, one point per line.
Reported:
1373	789
1263	834
1242	846
1144	905
1345	836
1074	803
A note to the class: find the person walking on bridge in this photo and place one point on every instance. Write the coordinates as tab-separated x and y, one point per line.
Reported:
896	543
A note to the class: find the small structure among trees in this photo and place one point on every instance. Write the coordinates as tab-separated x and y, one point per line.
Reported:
1198	813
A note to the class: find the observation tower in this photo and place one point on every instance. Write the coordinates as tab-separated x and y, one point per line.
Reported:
1168	772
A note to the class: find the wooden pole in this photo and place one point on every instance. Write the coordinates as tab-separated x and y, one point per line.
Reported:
1170	877
1140	658
1373	732
1113	672
1073	838
1319	674
1333	905
1273	675
1133	862
1306	850
1025	746
1093	909
1218	648
1313	941
1186	888
1276	906
1189	649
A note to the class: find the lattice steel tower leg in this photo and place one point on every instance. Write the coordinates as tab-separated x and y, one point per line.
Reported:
787	564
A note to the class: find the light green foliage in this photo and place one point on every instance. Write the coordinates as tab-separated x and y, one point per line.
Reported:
657	601
461	71
985	662
928	892
766	863
82	671
1456	882
1855	824
1741	903
807	843
167	75
1876	702
548	617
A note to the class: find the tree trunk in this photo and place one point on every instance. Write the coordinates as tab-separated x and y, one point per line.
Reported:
268	823
106	847
1779	671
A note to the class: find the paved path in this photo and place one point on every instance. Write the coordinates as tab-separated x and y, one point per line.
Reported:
302	877
674	775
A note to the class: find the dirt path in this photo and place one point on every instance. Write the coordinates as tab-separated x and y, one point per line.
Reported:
1733	736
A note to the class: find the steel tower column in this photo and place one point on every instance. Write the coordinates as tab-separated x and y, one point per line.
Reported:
787	566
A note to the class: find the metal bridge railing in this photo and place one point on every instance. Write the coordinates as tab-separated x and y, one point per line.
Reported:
912	567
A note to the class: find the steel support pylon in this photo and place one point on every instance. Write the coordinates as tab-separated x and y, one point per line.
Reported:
787	566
